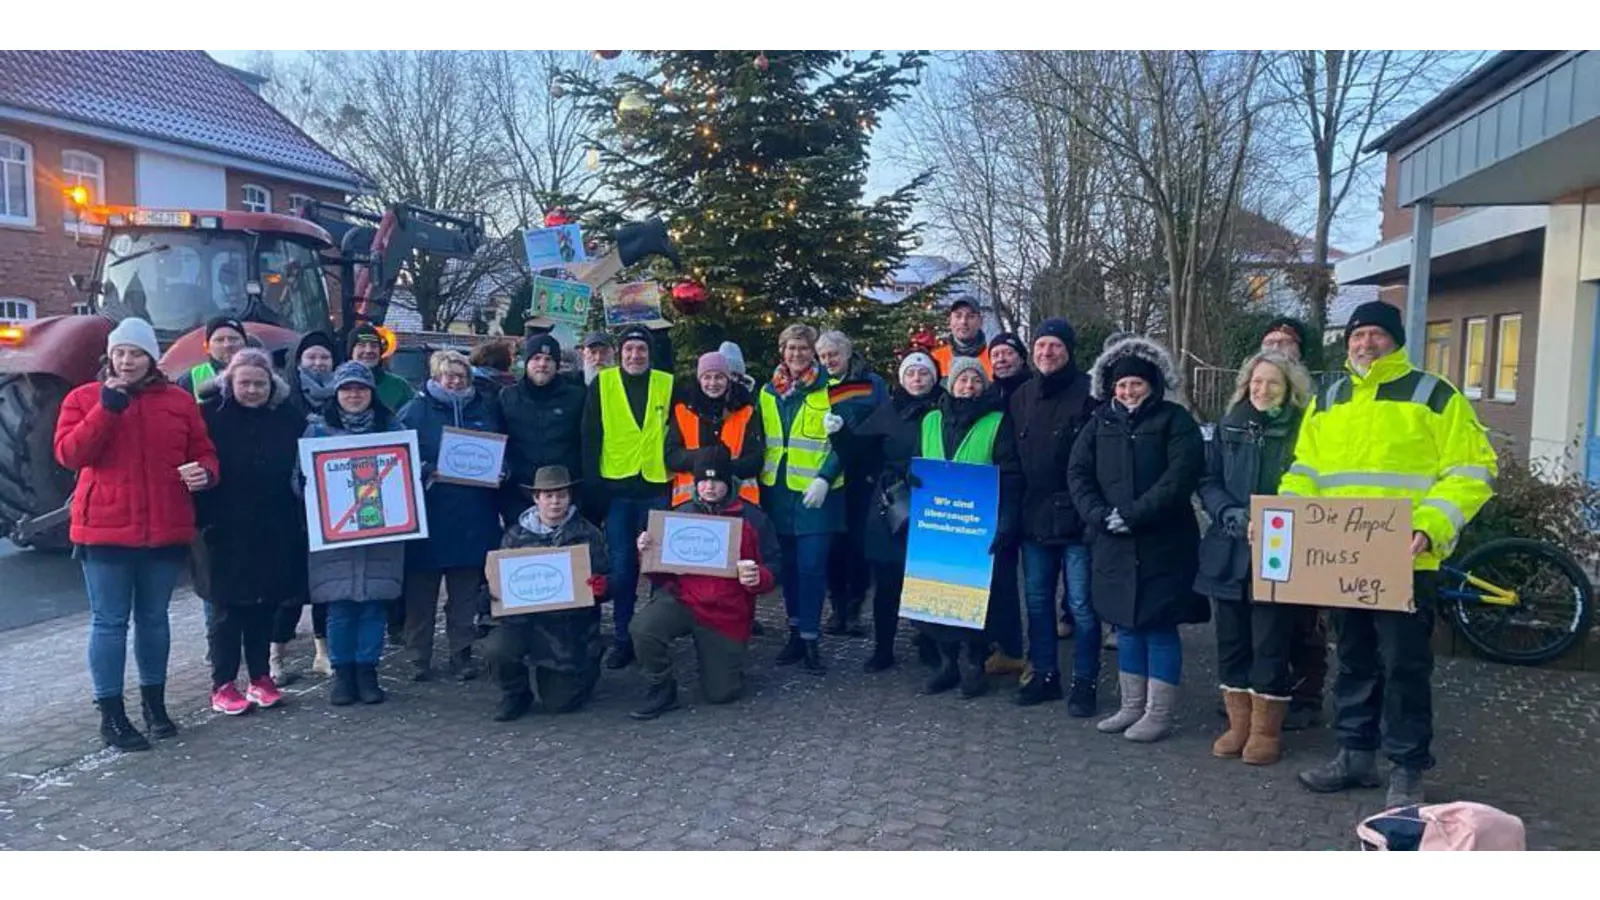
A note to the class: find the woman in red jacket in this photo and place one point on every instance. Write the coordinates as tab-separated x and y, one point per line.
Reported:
140	449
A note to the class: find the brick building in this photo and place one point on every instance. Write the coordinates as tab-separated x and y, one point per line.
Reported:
1491	241
164	129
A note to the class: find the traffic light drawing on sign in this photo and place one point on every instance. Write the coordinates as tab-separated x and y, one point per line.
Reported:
1277	545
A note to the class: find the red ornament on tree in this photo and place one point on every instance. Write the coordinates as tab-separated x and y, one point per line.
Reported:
607	54
923	339
761	61
689	297
557	217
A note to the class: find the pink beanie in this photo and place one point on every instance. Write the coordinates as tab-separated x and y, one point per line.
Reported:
712	362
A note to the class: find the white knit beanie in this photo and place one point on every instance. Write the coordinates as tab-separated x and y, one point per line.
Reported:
734	355
918	359
132	332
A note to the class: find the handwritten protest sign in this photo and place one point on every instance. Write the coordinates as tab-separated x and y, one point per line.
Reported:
952	524
362	489
561	300
690	544
1324	551
472	458
538	579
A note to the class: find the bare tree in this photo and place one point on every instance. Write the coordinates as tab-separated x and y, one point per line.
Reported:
542	142
1338	99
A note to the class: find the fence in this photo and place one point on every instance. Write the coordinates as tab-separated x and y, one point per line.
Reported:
1211	387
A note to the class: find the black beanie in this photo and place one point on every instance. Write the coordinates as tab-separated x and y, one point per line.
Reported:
1135	366
1381	314
1010	339
216	322
714	462
358	334
1290	323
316	339
636	333
541	343
1060	329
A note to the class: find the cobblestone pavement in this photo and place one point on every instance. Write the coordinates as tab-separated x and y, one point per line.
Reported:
845	761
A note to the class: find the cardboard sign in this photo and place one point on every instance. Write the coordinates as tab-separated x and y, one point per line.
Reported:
362	489
560	300
690	544
948	566
638	303
1323	551
552	248
472	458
538	579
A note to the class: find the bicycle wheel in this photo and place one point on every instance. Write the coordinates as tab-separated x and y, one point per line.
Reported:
1554	601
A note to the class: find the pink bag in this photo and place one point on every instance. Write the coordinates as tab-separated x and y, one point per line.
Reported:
1443	826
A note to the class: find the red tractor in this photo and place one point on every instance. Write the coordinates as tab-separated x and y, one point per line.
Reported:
178	268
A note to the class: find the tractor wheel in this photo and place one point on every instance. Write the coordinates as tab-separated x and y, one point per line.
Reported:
31	482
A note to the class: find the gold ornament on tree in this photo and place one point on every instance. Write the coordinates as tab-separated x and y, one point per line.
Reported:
633	107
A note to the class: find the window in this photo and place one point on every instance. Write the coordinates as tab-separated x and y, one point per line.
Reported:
16	182
1437	357
298	202
1507	354
257	199
78	167
1477	351
83	309
16	309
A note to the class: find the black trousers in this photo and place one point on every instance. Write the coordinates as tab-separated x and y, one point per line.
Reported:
1253	641
236	631
848	570
287	618
1383	690
1003	625
1308	658
889	579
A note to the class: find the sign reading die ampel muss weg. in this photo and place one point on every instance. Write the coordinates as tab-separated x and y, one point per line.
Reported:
1352	552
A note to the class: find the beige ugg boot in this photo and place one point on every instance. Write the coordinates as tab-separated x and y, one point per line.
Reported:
1132	689
1232	741
1158	713
1265	746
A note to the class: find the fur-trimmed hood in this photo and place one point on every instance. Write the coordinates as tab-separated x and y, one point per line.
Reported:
212	387
1100	374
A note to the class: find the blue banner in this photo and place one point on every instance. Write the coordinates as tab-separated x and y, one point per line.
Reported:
948	567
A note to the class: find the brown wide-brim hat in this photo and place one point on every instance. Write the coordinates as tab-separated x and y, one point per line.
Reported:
550	478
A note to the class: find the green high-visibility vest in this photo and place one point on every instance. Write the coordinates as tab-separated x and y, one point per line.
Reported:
199	374
977	447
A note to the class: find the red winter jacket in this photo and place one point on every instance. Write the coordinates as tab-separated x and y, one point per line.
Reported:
129	492
723	604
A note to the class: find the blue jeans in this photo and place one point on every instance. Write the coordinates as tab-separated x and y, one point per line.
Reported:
1043	567
355	631
1153	652
126	584
805	580
626	519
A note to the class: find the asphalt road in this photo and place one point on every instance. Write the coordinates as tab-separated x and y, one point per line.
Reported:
37	587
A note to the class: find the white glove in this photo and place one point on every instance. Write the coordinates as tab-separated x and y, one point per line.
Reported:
831	423
816	494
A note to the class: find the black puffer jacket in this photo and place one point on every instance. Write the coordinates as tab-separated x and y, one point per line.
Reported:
896	430
1047	413
1248	455
709	413
1146	465
543	427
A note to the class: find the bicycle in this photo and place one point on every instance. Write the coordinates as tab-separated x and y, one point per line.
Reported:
1519	601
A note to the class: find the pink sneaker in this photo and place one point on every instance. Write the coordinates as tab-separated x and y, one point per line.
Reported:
263	693
228	701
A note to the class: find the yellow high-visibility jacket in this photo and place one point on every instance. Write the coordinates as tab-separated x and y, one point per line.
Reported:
1397	432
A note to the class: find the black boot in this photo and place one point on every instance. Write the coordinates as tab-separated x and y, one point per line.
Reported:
948	675
793	650
811	656
974	683
1350	769
927	650
463	666
1040	689
1302	716
153	703
512	705
620	656
344	685
881	658
836	624
115	729
367	688
1082	700
1405	787
852	617
658	699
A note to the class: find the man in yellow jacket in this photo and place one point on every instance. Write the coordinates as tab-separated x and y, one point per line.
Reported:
1387	429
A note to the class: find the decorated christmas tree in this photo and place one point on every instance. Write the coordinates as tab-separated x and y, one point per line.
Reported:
757	161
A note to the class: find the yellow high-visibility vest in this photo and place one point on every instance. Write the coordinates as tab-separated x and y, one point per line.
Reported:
806	445
628	448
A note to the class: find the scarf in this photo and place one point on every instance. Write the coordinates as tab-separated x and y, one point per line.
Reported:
974	347
784	384
361	422
456	400
912	406
315	387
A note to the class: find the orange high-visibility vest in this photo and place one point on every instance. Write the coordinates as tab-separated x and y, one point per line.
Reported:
944	355
733	428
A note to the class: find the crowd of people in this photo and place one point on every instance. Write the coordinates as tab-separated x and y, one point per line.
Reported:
1112	499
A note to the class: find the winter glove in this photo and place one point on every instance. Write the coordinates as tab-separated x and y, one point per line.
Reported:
1115	525
597	586
816	494
831	423
1235	520
913	481
112	399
